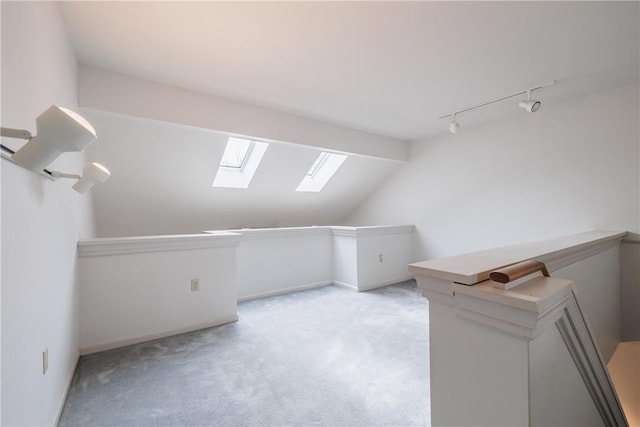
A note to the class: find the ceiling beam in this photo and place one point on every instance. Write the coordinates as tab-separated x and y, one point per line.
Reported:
123	94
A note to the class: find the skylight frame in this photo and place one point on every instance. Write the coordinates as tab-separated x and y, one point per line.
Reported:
228	152
321	171
240	177
322	158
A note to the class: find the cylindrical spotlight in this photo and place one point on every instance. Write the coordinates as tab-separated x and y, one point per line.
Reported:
530	105
454	126
92	174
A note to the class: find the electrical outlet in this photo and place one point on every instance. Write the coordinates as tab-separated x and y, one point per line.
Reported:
45	361
381	257
195	285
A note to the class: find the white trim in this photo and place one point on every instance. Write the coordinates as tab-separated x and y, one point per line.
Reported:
556	261
436	290
278	233
475	267
523	311
631	239
575	332
385	283
95	348
345	285
144	244
377	230
285	291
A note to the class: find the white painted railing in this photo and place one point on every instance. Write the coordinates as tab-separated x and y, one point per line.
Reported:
496	357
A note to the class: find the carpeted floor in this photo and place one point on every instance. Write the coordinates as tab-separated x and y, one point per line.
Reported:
321	357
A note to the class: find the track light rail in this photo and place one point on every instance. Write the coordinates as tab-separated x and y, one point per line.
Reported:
473	107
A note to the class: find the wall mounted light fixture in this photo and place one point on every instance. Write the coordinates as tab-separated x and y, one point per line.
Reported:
531	105
59	130
92	174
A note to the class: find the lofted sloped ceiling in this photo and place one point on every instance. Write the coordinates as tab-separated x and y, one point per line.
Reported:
162	175
389	68
165	82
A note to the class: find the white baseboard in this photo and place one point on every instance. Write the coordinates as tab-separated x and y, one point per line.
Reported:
95	348
285	291
345	285
382	284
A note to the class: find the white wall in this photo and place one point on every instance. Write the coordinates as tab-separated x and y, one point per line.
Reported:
370	257
277	260
272	261
41	222
565	169
137	289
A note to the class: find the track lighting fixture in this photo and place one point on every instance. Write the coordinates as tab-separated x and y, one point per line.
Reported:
454	126
530	105
59	130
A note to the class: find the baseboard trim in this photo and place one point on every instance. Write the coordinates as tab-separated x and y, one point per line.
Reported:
345	285
67	387
285	291
136	340
365	288
383	284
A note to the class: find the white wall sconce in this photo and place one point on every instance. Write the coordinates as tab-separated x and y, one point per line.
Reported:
59	130
530	105
92	174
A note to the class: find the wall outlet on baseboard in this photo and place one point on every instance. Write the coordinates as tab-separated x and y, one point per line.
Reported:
195	285
45	360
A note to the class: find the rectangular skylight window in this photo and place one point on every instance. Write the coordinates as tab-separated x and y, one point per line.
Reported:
239	162
236	152
321	172
318	163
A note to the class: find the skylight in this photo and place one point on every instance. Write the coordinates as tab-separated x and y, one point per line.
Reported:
318	163
236	152
239	162
321	172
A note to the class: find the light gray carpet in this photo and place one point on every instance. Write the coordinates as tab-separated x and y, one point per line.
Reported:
326	357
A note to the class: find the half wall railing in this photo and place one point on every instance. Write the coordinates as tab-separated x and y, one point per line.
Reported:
525	349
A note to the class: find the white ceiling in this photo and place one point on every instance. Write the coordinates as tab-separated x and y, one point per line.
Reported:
389	68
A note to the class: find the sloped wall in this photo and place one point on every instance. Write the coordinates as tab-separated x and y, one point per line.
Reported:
567	168
162	177
41	222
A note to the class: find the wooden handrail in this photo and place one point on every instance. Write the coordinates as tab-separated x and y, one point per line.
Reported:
516	271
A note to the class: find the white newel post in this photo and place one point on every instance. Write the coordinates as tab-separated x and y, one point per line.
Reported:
521	356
